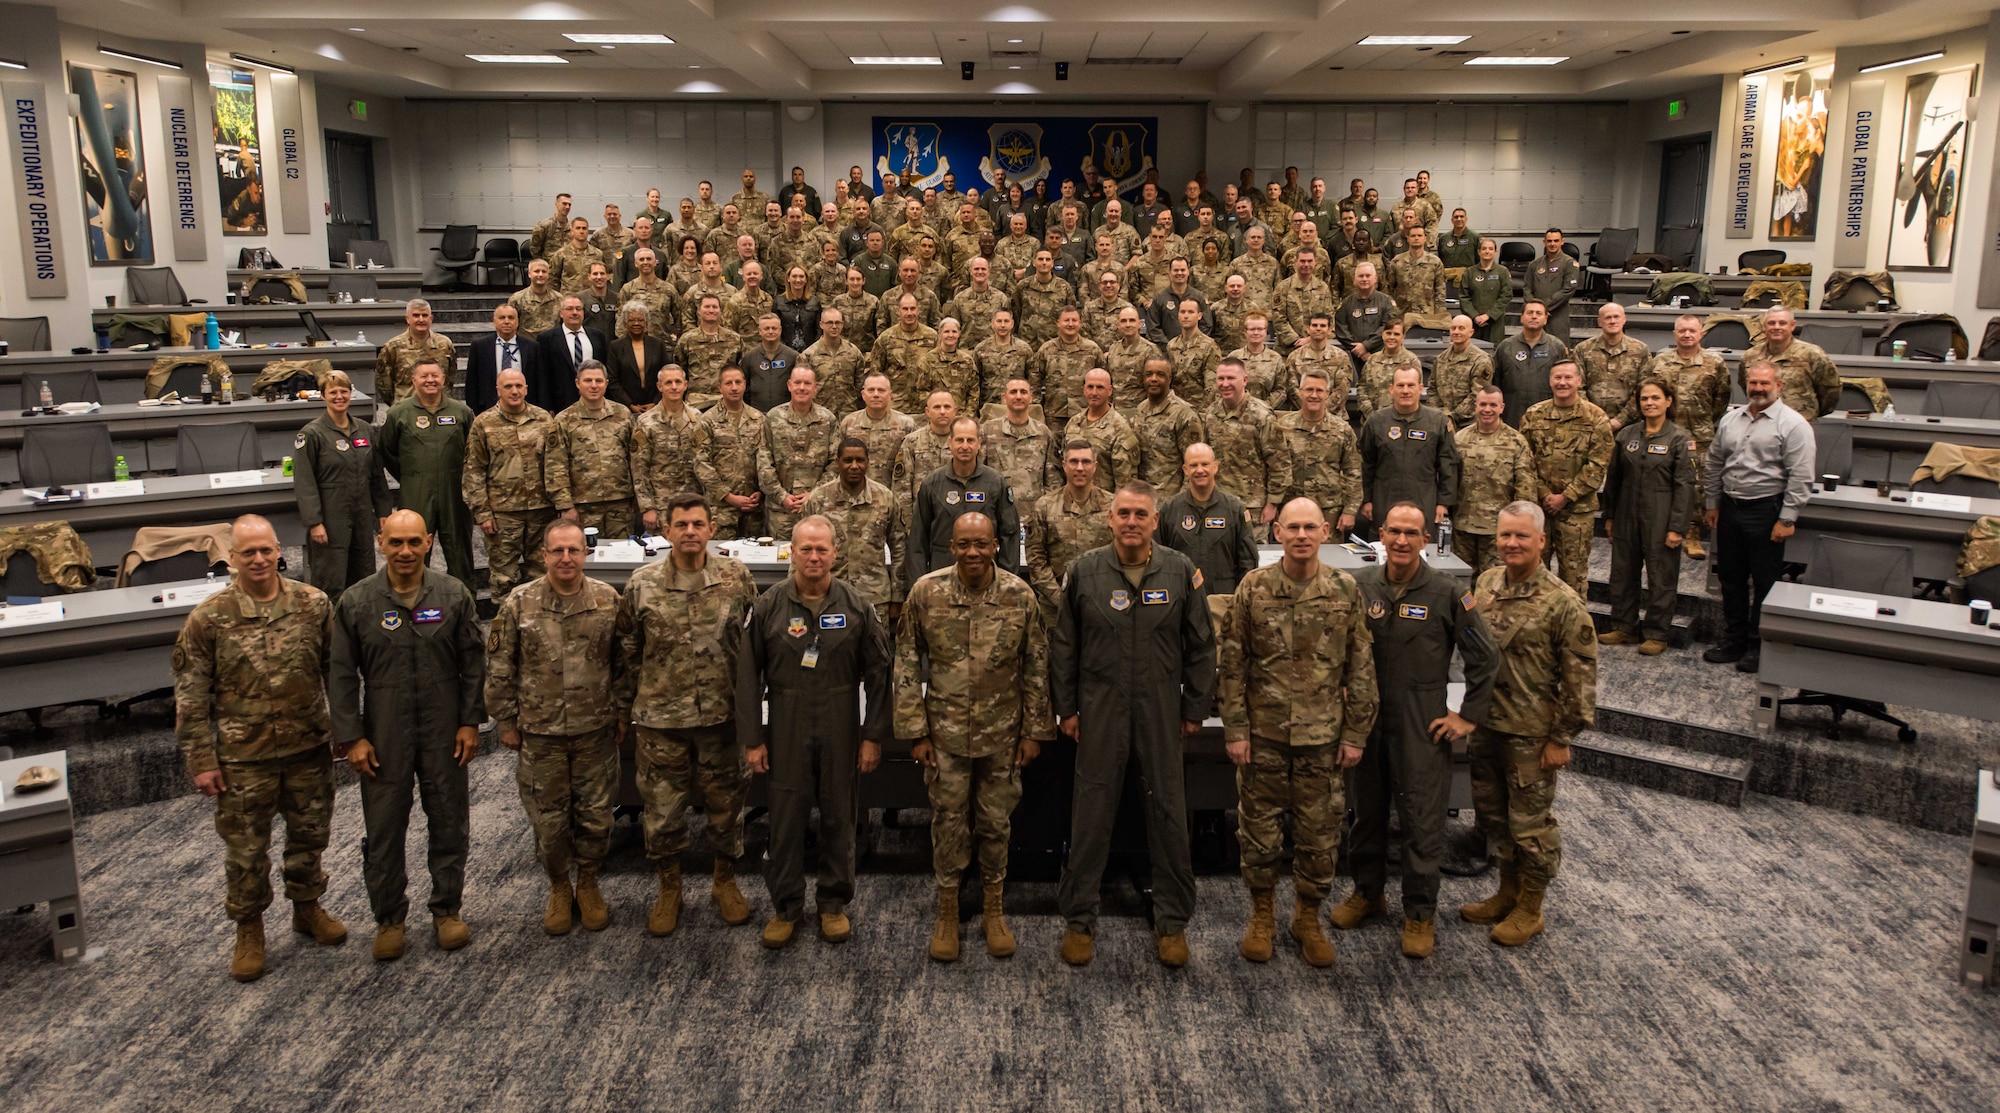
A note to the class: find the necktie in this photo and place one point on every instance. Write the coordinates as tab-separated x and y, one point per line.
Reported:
506	355
576	346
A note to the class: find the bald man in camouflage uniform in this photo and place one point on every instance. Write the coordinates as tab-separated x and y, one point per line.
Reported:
671	454
1571	440
1458	373
1496	467
1611	362
1057	374
590	459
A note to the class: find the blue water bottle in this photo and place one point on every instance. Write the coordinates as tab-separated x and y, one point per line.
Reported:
212	334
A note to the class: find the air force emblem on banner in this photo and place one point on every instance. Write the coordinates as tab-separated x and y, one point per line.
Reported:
1118	149
915	154
1017	149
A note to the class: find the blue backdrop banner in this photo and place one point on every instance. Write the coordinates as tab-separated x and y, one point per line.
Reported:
922	151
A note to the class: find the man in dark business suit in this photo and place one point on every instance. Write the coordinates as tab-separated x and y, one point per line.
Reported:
564	348
487	356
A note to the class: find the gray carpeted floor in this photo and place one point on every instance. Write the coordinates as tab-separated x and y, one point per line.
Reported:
1776	957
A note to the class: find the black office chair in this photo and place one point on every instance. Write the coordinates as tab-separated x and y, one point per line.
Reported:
1983	585
64	387
191	565
1759	259
1833	447
1929	338
503	255
23	579
269	291
67	455
1734	335
1515	255
185	381
1858	297
226	447
1572	251
1608	256
1691	292
1678	244
1871	568
1968	400
458	251
370	253
1853	399
363	287
157	286
25	334
1834	340
1958	483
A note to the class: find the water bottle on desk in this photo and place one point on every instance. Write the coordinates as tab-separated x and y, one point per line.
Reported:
207	388
212	334
228	386
46	398
121	471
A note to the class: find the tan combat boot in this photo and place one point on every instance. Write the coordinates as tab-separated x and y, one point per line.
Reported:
999	941
388	942
1652	647
1256	945
1692	547
1617	637
729	902
555	921
778	933
1525	922
308	918
589	901
451	932
248	964
835	927
944	937
1314	946
1495	908
666	914
1359	906
1078	947
1419	938
1173	950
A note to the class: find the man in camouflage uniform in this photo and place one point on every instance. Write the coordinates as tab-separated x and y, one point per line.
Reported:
1458	373
974	305
1165	427
909	282
1496	467
1151	270
1195	356
706	212
549	234
710	282
687	617
1107	430
828	277
590	459
1100	314
1553	280
1258	268
422	443
705	350
749	304
1545	693
504	483
1058	371
1297	700
900	353
670	453
538	303
1124	238
750	199
1040	299
1316	351
1263	365
1126	358
569	265
1302	295
614	238
880	427
1255	466
1416	280
724	238
735	433
1701	394
797	453
1808	381
1325	455
1230	311
952	368
1611	362
1380	371
1002	357
1570	439
1020	447
972	696
866	522
251	718
857	311
1065	523
663	306
560	693
397	360
837	362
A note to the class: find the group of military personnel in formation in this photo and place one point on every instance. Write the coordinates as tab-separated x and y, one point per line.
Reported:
995	545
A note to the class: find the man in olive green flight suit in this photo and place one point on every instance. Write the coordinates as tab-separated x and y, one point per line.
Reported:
423	446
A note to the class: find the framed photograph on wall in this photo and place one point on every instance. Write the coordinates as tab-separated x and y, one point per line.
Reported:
1930	178
111	159
239	165
1801	156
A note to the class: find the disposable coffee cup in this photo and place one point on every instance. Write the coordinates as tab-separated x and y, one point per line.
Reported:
1829	482
111	301
1981	611
590	537
350	260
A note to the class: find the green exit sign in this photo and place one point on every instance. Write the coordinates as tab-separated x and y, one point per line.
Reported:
359	109
1676	109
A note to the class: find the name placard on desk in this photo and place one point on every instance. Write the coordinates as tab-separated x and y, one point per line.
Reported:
124	488
1845	606
192	593
30	614
220	479
1931	500
617	552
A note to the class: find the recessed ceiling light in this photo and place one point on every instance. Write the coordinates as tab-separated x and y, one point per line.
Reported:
895	60
521	59
1013	67
1517	60
357	28
1903	61
1015	42
1413	40
612	39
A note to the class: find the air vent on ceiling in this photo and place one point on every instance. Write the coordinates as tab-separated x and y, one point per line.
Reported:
1016	55
1458	53
575	51
1134	61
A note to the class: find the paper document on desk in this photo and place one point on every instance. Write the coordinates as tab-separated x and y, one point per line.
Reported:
30	614
1846	606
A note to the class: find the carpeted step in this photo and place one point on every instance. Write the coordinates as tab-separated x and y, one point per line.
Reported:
1711	777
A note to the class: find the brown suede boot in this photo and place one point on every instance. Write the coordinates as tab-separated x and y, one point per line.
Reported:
1495	908
1617	637
388	942
1173	950
1419	938
666	914
999	941
1359	906
248	963
1078	947
1256	945
556	921
1525	922
1692	547
596	915
1314	946
451	932
308	918
729	902
944	937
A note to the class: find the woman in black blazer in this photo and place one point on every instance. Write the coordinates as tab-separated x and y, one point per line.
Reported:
634	362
